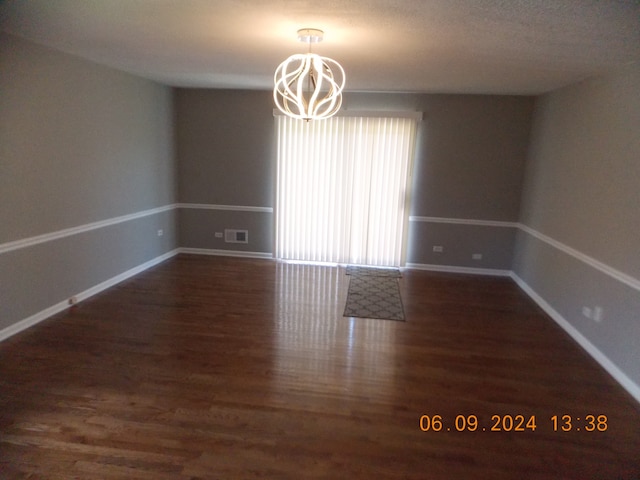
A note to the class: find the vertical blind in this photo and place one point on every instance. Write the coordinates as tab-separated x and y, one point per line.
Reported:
342	189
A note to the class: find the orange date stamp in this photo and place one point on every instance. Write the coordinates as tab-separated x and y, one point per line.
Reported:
514	423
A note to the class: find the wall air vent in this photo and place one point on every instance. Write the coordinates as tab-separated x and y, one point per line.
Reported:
236	236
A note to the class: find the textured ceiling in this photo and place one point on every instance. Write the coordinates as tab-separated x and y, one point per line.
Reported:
444	46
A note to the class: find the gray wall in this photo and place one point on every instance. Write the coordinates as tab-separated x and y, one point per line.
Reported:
79	143
582	190
469	165
226	156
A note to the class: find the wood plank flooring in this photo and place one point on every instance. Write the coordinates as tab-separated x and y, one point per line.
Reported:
221	368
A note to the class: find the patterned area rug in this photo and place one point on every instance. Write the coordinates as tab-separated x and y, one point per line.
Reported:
373	271
372	296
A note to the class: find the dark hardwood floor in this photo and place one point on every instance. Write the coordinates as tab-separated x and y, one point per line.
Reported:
220	368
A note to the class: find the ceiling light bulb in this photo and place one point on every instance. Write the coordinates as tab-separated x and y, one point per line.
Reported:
308	86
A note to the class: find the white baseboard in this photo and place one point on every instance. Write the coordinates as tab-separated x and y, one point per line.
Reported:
628	384
59	307
32	320
453	269
225	253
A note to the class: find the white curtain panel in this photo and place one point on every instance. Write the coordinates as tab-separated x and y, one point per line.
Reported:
342	188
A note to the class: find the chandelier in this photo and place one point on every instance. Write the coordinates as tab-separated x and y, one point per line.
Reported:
308	86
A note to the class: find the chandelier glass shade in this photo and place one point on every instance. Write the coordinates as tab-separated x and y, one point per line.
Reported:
308	86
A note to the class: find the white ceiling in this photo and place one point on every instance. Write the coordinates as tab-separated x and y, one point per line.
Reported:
443	46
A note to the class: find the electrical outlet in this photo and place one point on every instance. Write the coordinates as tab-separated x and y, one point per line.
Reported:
438	249
218	234
160	232
596	313
476	256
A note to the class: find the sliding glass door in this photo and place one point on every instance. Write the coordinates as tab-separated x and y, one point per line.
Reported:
342	188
